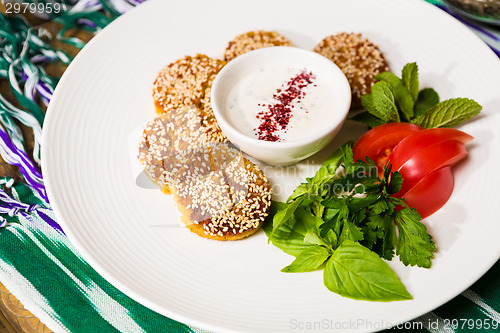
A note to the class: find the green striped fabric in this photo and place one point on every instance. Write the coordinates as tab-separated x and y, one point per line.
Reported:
40	266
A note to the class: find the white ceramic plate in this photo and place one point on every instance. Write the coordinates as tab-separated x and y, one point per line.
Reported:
131	235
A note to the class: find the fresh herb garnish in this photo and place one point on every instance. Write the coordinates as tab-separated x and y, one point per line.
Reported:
345	220
394	99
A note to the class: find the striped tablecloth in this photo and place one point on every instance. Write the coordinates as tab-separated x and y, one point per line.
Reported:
38	264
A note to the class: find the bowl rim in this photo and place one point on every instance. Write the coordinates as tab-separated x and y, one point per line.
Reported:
346	103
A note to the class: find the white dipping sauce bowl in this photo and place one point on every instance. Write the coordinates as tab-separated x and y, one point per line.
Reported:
281	153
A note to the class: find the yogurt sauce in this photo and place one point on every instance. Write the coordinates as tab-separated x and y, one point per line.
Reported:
251	97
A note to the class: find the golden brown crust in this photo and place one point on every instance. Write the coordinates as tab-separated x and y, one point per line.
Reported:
253	40
220	194
243	217
358	58
184	82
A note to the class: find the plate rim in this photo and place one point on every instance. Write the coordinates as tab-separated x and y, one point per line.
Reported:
190	321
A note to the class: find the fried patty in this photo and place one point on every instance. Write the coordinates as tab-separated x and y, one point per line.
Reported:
358	58
220	194
253	40
184	82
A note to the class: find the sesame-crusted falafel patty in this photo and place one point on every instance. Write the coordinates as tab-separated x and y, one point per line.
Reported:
219	193
254	40
184	82
187	83
358	58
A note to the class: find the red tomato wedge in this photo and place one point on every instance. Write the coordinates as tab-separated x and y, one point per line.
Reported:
423	157
378	142
424	162
413	144
431	193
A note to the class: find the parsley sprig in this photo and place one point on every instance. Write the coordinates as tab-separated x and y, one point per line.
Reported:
345	220
394	99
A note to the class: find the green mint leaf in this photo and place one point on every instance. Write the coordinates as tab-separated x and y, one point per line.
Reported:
368	119
427	98
383	101
415	246
409	76
356	272
449	113
310	259
390	78
404	99
283	215
367	103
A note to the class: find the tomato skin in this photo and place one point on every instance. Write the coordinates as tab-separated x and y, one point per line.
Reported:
408	147
378	142
423	157
424	162
431	193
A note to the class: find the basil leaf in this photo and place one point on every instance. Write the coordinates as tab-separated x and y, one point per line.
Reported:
301	190
354	271
292	236
348	156
289	237
320	174
310	221
291	244
313	238
401	93
449	113
310	259
427	98
331	238
409	76
334	161
325	173
284	214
